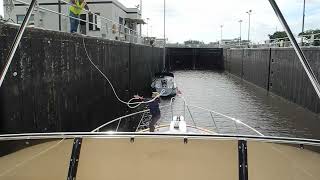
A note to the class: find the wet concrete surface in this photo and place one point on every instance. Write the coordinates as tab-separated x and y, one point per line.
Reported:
225	93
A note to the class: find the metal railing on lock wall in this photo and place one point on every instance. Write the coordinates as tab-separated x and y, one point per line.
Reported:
306	41
120	31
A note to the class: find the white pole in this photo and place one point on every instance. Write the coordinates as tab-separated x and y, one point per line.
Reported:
147	27
141	7
304	14
240	33
140	17
221	36
164	34
303	18
249	28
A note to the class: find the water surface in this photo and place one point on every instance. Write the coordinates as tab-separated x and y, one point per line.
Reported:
227	94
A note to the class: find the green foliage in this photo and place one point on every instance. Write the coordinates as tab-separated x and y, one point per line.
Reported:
277	35
307	35
193	42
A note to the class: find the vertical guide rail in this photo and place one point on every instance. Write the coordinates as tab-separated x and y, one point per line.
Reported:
16	41
296	47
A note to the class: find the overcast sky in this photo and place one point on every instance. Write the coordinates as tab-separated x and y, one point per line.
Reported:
201	19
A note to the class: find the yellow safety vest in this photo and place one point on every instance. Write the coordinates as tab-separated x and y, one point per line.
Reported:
77	8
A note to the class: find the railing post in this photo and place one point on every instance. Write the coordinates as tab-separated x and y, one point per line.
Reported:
118	125
184	109
214	122
191	116
140	122
237	129
171	108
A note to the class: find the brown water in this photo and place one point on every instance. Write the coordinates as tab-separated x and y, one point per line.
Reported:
227	94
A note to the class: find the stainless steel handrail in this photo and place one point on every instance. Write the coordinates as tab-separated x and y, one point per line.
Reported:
214	112
120	118
228	117
16	41
68	135
236	121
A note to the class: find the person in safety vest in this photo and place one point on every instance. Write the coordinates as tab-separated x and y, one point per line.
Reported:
75	10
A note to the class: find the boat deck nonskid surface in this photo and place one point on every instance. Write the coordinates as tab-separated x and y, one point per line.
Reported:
160	158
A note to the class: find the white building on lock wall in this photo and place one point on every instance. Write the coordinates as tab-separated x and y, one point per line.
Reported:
113	10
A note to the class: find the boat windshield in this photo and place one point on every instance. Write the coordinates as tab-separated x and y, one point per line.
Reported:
61	81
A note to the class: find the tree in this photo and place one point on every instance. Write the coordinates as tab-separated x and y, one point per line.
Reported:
312	34
193	42
277	35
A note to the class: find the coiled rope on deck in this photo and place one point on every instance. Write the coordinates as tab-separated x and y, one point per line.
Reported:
130	104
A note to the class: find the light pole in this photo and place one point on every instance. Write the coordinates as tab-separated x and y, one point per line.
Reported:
240	21
303	17
249	13
141	16
164	35
148	27
304	14
221	26
141	7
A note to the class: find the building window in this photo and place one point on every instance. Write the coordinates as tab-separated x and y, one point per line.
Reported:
95	22
121	20
98	21
21	17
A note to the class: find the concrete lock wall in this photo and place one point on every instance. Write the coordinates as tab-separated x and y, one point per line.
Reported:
194	58
279	71
51	85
